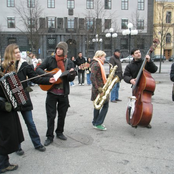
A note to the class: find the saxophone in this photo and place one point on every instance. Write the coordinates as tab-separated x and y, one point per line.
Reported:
100	99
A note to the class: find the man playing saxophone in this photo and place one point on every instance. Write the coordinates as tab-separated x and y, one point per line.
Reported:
98	79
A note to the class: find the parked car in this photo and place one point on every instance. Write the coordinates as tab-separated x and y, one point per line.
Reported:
126	59
157	58
171	59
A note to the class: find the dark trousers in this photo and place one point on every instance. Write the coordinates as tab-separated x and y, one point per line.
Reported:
81	76
53	103
4	162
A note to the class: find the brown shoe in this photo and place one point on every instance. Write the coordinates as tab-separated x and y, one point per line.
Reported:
118	100
11	167
114	101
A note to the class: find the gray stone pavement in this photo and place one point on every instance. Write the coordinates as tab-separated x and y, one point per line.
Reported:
119	150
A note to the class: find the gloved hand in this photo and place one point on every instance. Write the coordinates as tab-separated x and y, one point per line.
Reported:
100	90
8	106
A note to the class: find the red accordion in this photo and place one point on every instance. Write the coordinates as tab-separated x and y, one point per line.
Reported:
13	90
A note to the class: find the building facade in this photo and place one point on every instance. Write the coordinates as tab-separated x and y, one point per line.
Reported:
38	25
164	27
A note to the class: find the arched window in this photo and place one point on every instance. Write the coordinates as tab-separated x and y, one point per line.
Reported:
168	38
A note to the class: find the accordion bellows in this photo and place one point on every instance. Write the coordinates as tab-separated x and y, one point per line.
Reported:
13	89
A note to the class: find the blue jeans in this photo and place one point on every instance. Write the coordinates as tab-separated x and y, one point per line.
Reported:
99	115
28	118
114	92
88	78
4	162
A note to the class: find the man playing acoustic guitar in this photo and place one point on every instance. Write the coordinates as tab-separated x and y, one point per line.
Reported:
57	96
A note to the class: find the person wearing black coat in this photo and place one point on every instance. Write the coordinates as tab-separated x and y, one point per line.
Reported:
132	69
81	73
24	70
11	134
115	60
57	96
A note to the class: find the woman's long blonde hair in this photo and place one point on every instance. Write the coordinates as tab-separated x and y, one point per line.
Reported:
99	54
9	58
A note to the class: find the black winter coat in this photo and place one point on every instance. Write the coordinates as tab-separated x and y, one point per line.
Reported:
114	60
50	63
25	70
80	61
11	134
132	69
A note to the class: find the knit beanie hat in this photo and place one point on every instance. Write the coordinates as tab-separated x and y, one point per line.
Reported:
64	46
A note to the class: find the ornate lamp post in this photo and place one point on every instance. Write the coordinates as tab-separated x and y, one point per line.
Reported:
129	32
111	34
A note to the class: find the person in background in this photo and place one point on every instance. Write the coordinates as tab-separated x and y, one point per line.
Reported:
34	60
115	60
81	72
39	62
74	61
24	70
57	96
98	79
88	72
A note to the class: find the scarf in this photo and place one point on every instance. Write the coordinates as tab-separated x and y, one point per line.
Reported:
102	69
60	62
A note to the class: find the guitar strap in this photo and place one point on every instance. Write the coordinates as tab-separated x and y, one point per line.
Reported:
66	63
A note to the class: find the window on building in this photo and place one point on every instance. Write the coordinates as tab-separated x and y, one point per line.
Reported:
89	4
30	3
70	4
124	23
10	3
51	3
168	38
140	24
12	40
108	4
168	17
10	22
89	23
124	4
31	23
70	23
140	4
140	43
124	43
51	22
51	43
107	24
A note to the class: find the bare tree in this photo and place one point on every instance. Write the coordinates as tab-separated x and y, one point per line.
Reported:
29	15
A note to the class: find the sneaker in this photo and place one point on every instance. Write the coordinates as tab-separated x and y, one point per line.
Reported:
11	167
118	100
41	148
100	127
83	84
80	84
20	152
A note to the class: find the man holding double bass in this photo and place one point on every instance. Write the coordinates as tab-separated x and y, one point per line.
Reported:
132	69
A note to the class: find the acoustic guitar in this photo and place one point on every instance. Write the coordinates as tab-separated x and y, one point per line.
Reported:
54	71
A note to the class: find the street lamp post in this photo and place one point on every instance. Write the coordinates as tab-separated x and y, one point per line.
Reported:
97	40
129	32
111	34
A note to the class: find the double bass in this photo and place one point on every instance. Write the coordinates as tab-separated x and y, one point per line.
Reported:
139	110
